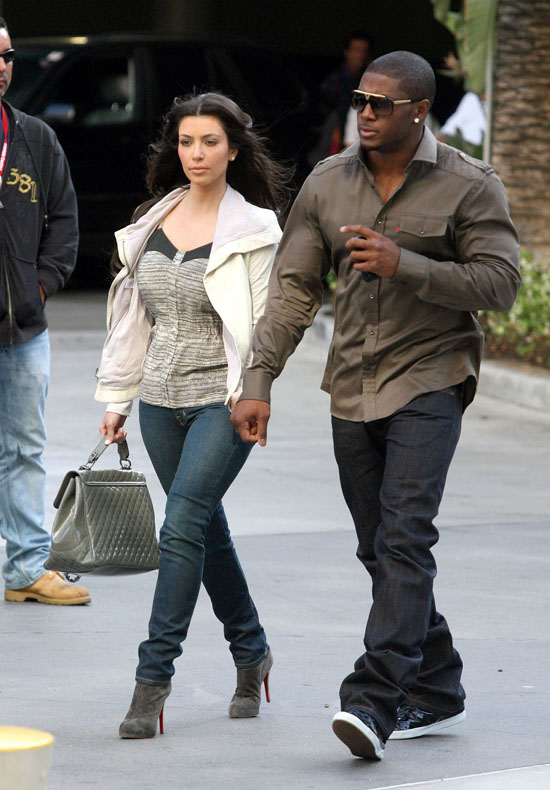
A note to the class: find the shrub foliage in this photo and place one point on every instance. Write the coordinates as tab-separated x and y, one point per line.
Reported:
524	332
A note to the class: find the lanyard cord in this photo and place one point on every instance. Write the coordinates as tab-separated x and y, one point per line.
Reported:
4	152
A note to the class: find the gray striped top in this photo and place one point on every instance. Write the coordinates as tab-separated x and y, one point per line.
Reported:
186	363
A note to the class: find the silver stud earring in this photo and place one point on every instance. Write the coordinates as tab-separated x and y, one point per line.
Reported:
417	120
232	158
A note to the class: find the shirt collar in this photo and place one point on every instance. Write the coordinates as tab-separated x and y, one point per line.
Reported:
427	149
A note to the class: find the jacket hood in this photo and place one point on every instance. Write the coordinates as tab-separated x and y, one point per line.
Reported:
240	225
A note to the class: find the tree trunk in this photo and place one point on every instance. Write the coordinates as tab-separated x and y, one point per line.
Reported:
521	119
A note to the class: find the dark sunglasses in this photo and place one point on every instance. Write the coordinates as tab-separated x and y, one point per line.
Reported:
381	106
7	55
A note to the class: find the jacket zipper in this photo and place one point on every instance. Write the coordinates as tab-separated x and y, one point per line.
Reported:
10	306
6	277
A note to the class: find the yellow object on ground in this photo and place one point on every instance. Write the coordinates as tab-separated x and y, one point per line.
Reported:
25	758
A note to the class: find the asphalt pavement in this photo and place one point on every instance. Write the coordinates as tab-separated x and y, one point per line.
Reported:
69	670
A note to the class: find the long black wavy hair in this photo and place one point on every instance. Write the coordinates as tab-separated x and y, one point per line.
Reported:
254	173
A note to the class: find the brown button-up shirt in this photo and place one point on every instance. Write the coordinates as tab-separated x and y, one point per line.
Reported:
417	332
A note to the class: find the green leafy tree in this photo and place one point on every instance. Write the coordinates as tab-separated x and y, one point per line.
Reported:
473	28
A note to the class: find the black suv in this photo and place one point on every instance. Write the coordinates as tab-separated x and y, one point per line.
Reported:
105	96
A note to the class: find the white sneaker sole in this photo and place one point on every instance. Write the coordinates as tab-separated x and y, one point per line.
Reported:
429	729
360	739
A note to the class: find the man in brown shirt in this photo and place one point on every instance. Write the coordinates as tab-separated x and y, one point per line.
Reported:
420	237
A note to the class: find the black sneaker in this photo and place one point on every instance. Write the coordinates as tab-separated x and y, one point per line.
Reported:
360	732
413	722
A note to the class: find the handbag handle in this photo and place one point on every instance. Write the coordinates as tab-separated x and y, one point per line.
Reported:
123	454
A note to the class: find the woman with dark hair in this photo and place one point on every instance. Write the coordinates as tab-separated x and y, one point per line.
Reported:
194	267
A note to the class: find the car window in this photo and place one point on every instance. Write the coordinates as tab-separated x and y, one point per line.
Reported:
179	68
28	67
91	91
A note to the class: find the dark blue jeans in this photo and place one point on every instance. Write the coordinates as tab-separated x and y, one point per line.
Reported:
393	473
196	455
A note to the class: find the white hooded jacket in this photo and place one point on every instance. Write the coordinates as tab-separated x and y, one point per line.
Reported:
235	280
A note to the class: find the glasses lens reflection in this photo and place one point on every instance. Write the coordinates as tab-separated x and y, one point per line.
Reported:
380	105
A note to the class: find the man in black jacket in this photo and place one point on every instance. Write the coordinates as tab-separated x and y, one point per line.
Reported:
38	245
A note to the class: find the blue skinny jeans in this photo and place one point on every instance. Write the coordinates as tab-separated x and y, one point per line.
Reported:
196	455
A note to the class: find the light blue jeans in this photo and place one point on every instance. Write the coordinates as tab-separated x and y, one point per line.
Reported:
196	455
24	378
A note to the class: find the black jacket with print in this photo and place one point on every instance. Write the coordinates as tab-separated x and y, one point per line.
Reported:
38	226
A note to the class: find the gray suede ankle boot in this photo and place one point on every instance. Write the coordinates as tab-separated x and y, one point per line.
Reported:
247	696
146	707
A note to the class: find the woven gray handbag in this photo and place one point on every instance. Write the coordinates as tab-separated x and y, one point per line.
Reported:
105	520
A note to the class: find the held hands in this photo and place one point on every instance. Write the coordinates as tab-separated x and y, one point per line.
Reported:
374	253
249	418
111	427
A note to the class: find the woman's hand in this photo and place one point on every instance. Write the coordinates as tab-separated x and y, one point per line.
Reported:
111	427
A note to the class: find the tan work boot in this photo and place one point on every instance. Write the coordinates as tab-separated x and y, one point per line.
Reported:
50	588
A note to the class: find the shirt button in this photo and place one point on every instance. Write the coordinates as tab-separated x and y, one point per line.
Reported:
379	222
422	232
371	296
371	332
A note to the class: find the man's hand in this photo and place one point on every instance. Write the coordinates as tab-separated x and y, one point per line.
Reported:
111	427
42	294
375	253
250	418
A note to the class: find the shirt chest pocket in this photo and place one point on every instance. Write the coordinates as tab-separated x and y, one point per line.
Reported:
425	232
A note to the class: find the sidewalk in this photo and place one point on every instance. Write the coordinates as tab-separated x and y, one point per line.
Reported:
69	670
